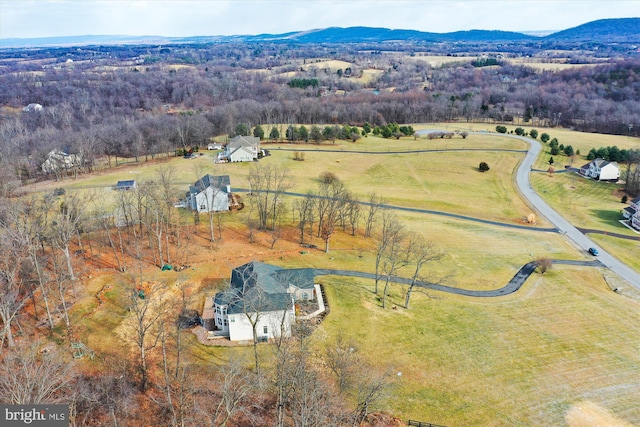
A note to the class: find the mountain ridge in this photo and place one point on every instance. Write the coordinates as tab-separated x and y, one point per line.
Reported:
613	30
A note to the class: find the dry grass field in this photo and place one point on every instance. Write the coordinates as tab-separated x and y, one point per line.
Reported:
561	351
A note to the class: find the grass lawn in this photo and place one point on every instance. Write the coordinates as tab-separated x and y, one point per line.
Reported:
564	340
524	359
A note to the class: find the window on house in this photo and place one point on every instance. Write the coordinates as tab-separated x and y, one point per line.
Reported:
203	206
265	330
232	319
225	322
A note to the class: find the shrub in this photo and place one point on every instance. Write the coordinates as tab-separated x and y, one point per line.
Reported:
328	177
544	264
501	129
545	137
624	199
483	167
533	133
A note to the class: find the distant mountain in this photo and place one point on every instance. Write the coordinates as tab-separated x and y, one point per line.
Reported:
370	34
602	31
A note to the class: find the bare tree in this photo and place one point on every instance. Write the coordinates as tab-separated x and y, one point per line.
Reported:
268	185
342	360
395	257
371	388
374	206
305	208
357	379
420	252
30	376
109	395
64	227
353	214
389	235
31	224
332	197
147	309
233	397
13	253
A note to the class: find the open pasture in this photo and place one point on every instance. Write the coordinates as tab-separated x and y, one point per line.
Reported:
525	359
530	358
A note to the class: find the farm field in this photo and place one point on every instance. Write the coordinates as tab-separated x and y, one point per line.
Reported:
562	343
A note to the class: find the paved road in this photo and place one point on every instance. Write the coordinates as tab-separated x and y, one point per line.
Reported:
425	211
571	232
512	286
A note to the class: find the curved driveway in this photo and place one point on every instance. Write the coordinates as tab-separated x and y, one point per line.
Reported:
571	232
512	286
524	186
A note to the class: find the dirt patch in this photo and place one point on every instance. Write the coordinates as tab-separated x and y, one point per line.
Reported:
589	414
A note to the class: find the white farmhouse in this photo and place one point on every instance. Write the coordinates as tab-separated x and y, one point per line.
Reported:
209	194
602	170
242	149
259	295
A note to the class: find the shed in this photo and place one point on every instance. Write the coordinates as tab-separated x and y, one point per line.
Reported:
126	185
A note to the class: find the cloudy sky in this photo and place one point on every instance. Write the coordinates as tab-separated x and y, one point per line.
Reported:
46	18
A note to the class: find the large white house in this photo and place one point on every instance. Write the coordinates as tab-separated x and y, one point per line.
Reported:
209	194
241	149
260	295
632	213
601	169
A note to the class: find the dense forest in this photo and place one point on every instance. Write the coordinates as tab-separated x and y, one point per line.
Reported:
140	100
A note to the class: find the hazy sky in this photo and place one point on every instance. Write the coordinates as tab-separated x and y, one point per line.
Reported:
44	18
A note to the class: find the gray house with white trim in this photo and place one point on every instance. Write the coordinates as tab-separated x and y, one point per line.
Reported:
260	294
209	194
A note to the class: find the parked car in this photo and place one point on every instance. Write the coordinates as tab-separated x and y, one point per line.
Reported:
593	251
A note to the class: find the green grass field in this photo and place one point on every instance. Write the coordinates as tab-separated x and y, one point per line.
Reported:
562	341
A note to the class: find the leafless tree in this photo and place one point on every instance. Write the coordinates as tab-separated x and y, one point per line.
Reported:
32	376
390	235
13	290
305	208
374	206
341	358
111	231
371	388
332	197
232	398
353	214
31	223
268	185
107	396
395	257
64	227
420	252
210	193
147	309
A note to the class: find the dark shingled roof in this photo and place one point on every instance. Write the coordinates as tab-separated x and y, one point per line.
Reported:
263	287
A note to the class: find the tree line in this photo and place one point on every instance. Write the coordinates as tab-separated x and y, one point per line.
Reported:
143	107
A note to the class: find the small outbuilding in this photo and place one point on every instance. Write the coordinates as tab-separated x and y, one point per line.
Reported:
126	185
